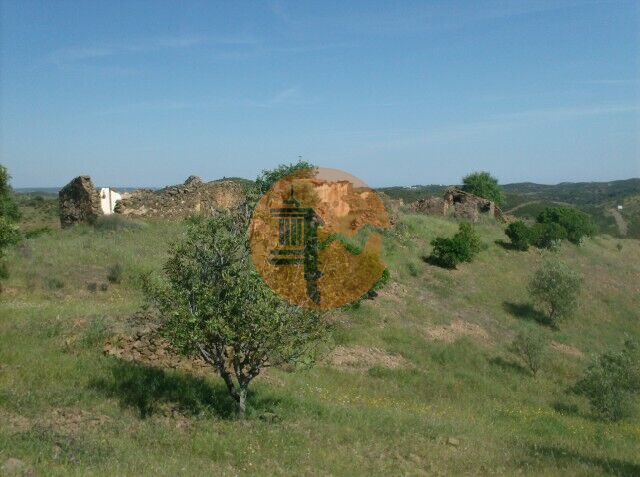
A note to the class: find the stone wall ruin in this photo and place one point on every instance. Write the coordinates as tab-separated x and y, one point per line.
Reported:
459	204
81	202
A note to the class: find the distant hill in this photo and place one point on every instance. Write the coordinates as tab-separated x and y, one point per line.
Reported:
587	193
412	193
527	200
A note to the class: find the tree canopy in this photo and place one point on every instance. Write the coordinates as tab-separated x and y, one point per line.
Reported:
483	184
217	306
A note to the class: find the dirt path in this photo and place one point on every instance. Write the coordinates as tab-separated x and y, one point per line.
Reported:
620	222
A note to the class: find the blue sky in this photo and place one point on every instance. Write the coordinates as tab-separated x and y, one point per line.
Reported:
146	93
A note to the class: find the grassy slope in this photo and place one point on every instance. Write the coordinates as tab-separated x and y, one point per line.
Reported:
67	409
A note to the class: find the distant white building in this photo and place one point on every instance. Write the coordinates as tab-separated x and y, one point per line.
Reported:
108	199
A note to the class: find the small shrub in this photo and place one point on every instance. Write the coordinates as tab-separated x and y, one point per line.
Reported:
548	236
519	234
96	332
576	223
54	283
9	234
114	274
462	247
619	247
414	270
530	346
611	382
554	287
92	287
104	287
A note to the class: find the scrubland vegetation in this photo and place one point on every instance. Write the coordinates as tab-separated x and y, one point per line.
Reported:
443	371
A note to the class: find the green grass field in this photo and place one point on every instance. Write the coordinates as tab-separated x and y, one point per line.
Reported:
457	402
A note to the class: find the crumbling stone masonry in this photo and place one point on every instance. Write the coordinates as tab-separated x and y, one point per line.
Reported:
79	202
460	204
192	197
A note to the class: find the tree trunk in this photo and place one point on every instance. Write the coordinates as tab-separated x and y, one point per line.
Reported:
242	402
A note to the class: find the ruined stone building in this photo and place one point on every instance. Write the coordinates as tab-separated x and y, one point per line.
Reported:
460	204
81	202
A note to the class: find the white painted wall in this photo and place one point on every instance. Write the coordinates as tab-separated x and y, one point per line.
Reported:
108	200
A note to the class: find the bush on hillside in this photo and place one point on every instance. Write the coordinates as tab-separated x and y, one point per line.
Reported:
531	347
114	274
519	234
484	185
548	236
462	247
8	207
9	214
576	223
612	381
554	288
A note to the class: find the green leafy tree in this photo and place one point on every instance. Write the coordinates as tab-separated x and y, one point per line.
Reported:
484	185
462	247
554	287
548	236
217	306
530	346
9	214
8	207
520	235
576	223
611	382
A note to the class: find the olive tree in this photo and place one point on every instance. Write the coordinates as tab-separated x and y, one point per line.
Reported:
217	306
530	346
554	287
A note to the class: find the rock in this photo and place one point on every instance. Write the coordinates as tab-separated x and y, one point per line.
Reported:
14	466
193	181
452	441
79	202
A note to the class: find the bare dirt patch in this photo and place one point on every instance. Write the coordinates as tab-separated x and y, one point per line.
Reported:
14	422
567	349
72	420
456	329
393	291
361	358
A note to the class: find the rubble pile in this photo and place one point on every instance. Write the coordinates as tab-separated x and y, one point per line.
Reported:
192	197
146	346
